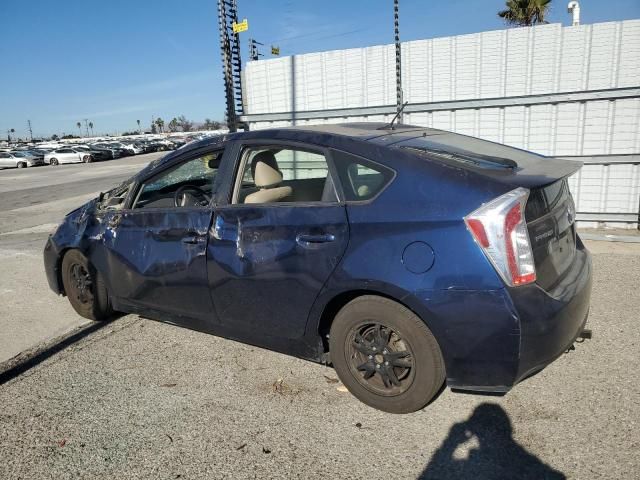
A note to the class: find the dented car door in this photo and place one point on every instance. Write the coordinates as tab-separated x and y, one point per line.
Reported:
267	264
268	260
157	247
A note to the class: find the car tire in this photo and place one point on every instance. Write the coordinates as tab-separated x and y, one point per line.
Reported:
85	288
22	165
409	371
53	161
87	159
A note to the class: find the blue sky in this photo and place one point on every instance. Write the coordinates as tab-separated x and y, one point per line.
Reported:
114	62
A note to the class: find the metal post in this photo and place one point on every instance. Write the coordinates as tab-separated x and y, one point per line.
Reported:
396	26
231	61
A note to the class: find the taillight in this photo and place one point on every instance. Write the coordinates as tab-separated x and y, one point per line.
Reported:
500	229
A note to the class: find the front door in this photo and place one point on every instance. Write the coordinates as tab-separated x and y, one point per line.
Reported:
277	242
157	247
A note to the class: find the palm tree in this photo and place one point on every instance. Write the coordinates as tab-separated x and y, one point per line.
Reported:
525	12
91	127
160	124
139	131
79	125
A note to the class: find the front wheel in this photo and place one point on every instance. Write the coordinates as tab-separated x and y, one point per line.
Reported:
385	355
84	287
22	165
87	159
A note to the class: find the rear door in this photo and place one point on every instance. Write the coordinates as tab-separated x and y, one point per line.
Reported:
66	155
268	261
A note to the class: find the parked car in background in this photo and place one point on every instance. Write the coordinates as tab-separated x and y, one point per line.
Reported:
19	159
134	147
146	145
67	155
97	154
406	257
177	141
167	144
125	151
115	152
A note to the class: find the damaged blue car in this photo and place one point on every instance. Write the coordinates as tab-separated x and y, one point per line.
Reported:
408	258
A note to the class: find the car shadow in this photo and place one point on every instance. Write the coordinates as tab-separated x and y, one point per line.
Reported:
30	359
483	447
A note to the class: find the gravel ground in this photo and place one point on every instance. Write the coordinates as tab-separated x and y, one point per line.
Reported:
141	399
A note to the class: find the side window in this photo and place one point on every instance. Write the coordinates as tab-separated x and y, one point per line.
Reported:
284	174
361	179
188	184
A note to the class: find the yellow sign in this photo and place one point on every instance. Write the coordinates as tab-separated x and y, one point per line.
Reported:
275	50
243	26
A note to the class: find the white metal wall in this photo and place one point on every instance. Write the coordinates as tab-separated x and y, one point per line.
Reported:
563	91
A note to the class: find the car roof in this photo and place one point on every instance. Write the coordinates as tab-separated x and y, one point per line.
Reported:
356	131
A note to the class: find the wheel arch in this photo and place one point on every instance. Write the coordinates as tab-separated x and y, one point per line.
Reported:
338	301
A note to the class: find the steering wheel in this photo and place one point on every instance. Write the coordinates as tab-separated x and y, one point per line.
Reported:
182	197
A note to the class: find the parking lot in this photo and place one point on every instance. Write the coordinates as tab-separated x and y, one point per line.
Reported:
137	398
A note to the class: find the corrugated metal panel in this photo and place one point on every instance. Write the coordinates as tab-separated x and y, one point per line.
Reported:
505	64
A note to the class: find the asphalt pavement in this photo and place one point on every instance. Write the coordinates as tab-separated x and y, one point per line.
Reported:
141	399
32	203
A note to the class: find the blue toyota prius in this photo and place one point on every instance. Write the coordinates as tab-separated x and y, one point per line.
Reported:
406	257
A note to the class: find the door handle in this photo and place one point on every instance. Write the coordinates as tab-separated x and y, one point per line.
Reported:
308	240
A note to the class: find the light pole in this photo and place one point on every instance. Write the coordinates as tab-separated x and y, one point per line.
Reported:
396	28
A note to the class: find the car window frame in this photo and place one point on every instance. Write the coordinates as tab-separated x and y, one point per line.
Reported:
364	162
240	160
134	193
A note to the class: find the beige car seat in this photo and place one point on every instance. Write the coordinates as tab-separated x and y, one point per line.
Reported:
267	179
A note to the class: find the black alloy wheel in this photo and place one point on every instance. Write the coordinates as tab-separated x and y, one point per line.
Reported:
386	355
380	359
84	287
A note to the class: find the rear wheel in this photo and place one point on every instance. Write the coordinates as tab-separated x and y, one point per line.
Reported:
385	355
84	287
54	161
22	165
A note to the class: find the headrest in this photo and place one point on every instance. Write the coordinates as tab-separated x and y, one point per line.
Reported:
266	176
267	157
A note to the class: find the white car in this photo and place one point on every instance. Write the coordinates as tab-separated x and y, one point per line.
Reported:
67	155
19	160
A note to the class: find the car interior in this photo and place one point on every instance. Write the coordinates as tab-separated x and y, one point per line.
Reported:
285	175
188	184
269	175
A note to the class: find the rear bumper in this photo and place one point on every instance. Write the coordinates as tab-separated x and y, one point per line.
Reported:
493	339
550	322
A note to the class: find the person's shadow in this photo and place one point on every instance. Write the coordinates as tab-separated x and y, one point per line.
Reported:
482	447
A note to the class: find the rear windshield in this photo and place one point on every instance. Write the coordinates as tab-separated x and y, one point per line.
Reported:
545	199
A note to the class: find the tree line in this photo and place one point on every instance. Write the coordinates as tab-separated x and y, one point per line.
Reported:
182	124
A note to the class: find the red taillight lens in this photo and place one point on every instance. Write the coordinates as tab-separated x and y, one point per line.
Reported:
500	230
478	232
